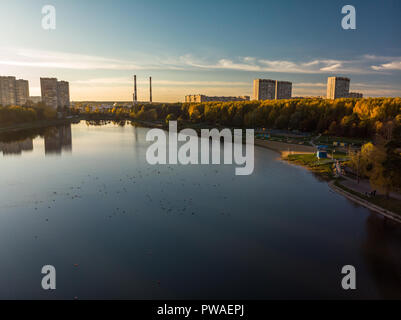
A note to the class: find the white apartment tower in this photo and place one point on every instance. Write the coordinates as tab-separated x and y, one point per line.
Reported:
338	87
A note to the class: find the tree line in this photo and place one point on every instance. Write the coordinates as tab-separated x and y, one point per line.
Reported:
380	163
376	119
363	118
20	114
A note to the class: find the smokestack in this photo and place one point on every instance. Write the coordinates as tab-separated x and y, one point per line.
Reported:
150	89
135	97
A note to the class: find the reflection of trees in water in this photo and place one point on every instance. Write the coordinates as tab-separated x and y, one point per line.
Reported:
14	142
97	122
382	252
58	139
120	123
14	136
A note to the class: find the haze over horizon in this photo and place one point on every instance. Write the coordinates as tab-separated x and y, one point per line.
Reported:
208	47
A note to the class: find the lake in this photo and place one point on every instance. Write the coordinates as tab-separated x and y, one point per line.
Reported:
83	199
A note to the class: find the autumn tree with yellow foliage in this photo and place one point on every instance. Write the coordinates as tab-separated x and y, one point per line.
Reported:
381	163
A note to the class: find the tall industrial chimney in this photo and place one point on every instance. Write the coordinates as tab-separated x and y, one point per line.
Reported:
150	89
135	92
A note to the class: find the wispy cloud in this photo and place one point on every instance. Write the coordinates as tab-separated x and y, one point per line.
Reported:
394	65
358	65
20	57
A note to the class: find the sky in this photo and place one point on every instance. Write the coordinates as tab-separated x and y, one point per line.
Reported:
212	47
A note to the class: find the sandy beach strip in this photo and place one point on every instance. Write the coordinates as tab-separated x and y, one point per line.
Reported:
285	148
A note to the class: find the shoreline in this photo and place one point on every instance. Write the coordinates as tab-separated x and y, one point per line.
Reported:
285	148
382	211
280	147
57	122
36	125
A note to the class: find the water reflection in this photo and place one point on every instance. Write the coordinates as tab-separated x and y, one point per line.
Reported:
56	140
16	147
382	255
285	241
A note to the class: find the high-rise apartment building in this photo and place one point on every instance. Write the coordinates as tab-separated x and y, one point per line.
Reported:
7	91
21	92
338	87
48	87
63	94
283	90
264	89
267	89
13	92
55	93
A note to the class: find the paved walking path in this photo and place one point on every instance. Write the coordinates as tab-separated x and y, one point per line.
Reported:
364	186
386	213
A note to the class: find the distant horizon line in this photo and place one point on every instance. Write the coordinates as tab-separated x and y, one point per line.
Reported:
293	98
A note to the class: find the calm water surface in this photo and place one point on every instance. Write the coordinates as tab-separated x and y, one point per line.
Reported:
84	195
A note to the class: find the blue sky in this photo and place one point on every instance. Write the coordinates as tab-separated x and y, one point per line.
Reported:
211	47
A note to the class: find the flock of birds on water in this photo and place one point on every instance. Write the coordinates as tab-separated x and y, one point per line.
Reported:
133	186
146	192
137	194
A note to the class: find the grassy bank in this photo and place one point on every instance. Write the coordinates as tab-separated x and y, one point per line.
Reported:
322	167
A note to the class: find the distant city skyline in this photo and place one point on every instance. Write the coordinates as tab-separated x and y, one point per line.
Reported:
99	46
